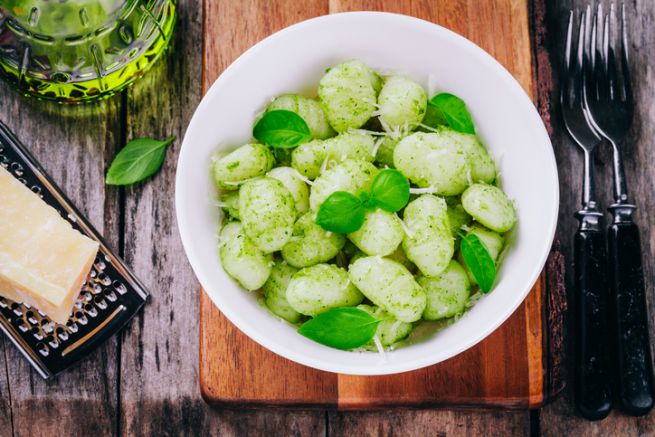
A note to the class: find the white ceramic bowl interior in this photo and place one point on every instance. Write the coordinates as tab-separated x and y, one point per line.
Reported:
293	60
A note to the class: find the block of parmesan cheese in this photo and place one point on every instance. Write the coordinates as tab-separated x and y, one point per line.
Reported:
43	260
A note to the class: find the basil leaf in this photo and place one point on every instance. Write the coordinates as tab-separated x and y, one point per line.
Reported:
477	259
281	128
454	111
341	212
139	159
390	190
341	328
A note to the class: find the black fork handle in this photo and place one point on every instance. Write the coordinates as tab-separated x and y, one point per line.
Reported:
593	393
634	364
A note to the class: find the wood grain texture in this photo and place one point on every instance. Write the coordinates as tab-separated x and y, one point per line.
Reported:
506	369
451	423
560	418
73	144
159	369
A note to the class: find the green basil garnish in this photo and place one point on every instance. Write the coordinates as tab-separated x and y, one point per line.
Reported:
454	111
479	261
281	128
341	328
390	190
344	213
341	212
138	160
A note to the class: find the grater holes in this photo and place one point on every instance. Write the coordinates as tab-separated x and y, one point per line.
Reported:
109	294
31	318
36	332
104	279
4	161
90	310
36	190
72	326
22	325
16	309
99	264
52	341
100	302
61	334
43	349
81	318
120	287
86	297
3	302
17	169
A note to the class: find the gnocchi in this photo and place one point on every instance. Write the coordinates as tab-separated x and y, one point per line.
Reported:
321	287
395	269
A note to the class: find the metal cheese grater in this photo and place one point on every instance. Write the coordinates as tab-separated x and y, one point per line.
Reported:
110	296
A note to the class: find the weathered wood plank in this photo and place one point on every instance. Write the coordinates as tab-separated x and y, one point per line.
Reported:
430	422
5	394
74	144
560	418
159	374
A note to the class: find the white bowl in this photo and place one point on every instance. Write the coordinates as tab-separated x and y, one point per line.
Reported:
293	60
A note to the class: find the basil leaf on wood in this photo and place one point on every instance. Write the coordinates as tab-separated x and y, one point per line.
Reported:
281	128
341	328
454	111
479	261
390	190
341	212
138	160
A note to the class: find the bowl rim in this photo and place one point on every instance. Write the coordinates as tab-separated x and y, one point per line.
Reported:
279	347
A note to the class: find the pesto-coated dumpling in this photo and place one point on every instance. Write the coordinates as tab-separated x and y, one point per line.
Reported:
311	244
230	204
457	217
308	158
241	259
492	241
350	145
317	289
352	176
348	95
429	243
267	212
389	330
309	109
402	103
296	186
390	286
275	292
490	206
380	234
384	155
483	168
432	160
447	293
246	162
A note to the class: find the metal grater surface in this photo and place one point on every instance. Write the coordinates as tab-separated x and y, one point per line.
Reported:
110	296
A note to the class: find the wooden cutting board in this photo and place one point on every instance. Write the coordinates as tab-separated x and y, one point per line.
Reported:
516	366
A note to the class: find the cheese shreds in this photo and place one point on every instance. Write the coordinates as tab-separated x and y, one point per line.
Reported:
43	260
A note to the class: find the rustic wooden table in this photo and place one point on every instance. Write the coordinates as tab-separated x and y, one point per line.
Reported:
145	382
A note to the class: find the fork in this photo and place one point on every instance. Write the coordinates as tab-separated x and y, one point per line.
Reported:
610	107
593	394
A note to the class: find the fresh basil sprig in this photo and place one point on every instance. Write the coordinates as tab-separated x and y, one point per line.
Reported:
343	212
281	128
479	261
390	190
138	160
454	111
341	328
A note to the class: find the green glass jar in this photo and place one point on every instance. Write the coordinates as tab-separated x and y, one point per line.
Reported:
81	50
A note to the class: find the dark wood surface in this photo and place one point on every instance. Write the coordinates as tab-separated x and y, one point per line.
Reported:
146	381
507	369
